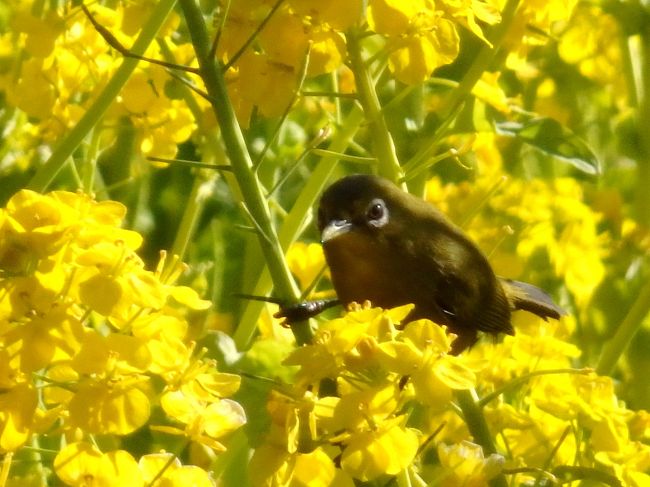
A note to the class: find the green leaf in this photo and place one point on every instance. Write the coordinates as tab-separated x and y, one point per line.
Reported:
552	137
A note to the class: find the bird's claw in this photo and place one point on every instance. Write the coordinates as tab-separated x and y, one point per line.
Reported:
296	312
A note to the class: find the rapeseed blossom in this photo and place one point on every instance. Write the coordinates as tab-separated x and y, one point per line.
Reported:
97	352
92	342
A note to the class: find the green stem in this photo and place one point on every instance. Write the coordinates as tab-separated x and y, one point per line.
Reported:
482	61
617	345
640	97
478	428
46	174
295	220
383	146
203	181
452	104
241	162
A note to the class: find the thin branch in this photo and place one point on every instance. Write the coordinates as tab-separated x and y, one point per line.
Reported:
112	41
323	134
235	57
217	36
184	162
191	86
345	157
336	94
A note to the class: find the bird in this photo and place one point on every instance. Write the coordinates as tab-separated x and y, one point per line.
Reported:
392	248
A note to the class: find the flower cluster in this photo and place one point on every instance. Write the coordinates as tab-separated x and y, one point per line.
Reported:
351	397
299	36
543	221
374	399
423	35
81	463
91	342
532	24
591	49
101	379
57	63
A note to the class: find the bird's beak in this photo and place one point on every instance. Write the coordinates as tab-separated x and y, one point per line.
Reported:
334	229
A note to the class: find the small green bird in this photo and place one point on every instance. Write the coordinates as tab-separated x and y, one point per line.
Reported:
392	248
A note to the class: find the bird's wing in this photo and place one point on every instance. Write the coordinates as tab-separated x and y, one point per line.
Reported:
465	289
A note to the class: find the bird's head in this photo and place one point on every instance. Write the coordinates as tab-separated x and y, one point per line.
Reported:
372	206
359	205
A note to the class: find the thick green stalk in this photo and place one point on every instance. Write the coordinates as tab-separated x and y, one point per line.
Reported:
46	174
203	179
617	345
194	205
295	220
453	103
241	162
478	428
482	60
383	146
640	97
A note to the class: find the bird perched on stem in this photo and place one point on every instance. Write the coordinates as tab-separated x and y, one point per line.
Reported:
392	248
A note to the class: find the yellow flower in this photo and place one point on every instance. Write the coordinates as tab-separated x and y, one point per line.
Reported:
356	409
167	470
345	342
419	38
83	464
465	464
111	405
339	14
261	82
420	352
316	469
33	93
467	12
17	414
630	465
531	435
488	90
592	49
41	33
388	449
34	226
306	261
47	338
204	420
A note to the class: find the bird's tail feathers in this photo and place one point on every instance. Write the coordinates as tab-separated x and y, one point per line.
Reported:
530	298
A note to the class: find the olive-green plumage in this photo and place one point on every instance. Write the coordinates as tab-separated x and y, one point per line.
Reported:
392	248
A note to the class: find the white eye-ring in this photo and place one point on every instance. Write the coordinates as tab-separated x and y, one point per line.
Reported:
377	213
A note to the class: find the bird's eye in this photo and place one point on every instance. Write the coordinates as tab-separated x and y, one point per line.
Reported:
377	213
